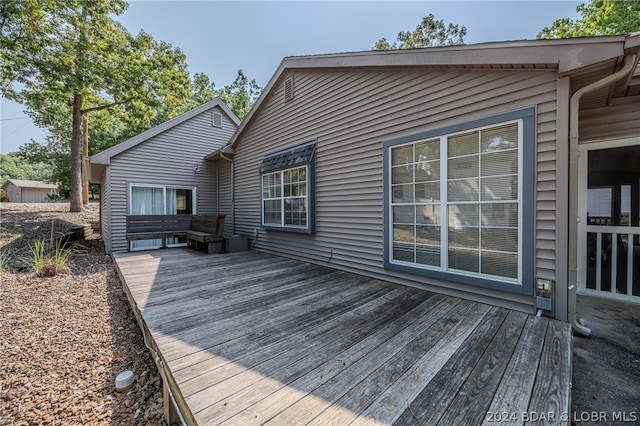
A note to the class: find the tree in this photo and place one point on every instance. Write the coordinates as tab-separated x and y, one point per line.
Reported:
598	17
14	166
68	59
429	33
239	95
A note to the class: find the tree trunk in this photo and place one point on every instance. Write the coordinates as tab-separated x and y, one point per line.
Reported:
77	142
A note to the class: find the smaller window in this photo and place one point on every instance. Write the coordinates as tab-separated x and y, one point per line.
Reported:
216	119
288	89
287	182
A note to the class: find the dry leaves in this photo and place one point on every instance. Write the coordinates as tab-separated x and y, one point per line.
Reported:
64	339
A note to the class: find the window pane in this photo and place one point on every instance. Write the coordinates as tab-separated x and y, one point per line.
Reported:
464	238
428	214
499	188
402	155
147	200
465	260
401	174
403	193
500	239
462	215
499	138
463	144
428	236
427	171
404	234
429	150
428	255
463	190
404	214
500	264
463	167
403	252
499	163
500	214
427	192
295	212
272	213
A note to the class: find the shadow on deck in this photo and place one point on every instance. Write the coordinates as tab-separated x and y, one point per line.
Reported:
250	338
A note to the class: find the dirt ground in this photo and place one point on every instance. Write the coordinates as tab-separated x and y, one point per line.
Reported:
64	339
606	365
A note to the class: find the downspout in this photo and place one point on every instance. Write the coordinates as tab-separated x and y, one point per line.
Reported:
574	109
233	193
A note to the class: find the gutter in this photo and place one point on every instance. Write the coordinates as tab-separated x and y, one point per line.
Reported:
229	150
574	109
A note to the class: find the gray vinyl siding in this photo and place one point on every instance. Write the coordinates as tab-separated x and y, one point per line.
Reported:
224	194
168	159
105	211
622	120
351	113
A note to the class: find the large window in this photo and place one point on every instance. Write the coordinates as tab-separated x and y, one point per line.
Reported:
287	192
158	199
456	204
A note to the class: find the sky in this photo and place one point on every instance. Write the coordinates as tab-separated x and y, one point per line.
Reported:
220	37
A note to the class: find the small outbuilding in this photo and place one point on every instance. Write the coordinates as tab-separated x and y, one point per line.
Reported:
28	191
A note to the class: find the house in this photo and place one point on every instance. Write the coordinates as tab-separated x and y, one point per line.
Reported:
28	191
163	171
465	170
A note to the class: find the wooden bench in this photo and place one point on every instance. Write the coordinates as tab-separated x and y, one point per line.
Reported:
198	229
207	231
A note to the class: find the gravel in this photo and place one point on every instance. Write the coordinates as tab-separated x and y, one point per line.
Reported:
64	339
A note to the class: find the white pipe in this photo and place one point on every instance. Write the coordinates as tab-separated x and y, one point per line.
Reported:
574	110
233	193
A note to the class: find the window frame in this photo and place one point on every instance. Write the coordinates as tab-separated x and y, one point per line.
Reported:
194	203
309	228
526	202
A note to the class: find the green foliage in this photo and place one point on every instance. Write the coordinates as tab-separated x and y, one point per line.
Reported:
49	262
598	17
16	166
70	59
429	33
239	95
38	256
4	259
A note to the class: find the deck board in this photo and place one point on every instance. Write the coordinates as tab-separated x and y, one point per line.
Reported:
250	338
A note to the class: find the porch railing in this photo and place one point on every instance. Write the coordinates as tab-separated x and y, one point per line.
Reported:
613	259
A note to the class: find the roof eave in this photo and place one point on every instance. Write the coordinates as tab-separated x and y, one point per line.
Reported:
563	55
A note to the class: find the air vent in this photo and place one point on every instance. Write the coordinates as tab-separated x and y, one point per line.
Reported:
288	89
216	119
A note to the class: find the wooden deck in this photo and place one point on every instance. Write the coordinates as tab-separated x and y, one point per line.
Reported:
249	338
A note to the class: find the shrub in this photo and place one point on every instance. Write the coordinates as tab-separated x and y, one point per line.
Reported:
4	259
50	262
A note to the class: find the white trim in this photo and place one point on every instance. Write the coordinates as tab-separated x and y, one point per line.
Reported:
583	175
282	199
445	203
194	197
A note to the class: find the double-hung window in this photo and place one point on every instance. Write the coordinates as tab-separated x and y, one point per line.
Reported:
459	202
287	189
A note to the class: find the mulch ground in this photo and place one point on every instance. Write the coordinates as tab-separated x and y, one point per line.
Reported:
64	339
